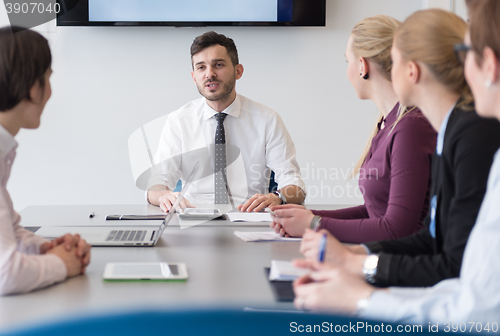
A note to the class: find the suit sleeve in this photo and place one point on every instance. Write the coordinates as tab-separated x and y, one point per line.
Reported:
416	244
474	150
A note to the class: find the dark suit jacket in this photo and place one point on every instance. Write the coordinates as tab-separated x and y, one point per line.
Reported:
459	178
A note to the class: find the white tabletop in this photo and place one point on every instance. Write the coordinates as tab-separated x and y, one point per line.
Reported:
223	270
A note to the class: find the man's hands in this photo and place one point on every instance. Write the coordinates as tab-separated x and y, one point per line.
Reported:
259	201
68	240
291	220
73	251
167	200
71	261
163	198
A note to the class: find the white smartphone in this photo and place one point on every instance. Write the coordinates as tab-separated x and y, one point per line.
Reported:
199	214
146	271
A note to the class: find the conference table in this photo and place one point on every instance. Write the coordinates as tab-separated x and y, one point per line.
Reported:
224	271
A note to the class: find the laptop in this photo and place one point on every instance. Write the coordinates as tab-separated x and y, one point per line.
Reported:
116	235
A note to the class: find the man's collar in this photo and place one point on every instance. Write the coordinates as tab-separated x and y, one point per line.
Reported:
233	109
7	142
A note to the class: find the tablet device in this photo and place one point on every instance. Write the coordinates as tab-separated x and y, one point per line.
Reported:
199	214
152	271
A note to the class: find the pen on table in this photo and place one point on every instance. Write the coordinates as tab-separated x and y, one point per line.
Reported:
92	214
322	248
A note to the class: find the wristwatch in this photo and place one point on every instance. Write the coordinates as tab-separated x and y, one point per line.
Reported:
370	268
315	223
281	196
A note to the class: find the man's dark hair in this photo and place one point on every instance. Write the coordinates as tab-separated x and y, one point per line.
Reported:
210	39
24	59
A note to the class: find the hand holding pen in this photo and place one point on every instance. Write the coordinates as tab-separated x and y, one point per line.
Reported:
322	248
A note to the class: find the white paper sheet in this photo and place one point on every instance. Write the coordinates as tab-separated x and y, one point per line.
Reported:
263	236
249	216
285	271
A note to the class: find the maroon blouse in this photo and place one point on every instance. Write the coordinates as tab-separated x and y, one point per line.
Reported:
395	181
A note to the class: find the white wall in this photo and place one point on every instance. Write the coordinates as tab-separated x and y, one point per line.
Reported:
109	81
457	6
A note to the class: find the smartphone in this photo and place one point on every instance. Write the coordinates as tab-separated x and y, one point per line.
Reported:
199	214
146	271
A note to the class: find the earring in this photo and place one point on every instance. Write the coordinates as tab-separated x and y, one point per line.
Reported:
488	83
365	77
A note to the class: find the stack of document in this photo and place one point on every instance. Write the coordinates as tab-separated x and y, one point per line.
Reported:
285	271
263	236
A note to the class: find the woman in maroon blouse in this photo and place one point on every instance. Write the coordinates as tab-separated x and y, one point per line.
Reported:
394	171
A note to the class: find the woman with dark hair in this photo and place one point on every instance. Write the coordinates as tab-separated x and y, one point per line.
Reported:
27	261
475	296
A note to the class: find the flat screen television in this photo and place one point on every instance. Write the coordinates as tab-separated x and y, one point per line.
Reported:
192	13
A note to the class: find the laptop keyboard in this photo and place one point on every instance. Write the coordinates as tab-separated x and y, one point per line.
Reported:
126	235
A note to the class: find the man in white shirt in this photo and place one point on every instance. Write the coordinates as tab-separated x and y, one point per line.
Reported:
237	141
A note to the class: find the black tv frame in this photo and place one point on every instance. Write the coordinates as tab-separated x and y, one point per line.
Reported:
307	13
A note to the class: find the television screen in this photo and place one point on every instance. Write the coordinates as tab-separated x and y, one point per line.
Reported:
192	13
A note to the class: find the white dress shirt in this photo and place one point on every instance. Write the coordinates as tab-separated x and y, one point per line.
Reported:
21	268
474	296
257	142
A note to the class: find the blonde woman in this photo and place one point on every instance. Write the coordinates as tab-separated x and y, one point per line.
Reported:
474	297
427	73
395	168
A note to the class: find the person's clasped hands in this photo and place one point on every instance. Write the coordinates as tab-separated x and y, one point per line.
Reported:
73	251
291	220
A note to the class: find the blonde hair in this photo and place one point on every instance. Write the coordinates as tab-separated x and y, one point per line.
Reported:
429	37
372	39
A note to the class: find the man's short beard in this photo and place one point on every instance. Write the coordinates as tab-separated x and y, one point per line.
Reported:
226	92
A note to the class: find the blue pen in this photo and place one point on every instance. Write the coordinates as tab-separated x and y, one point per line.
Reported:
322	248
